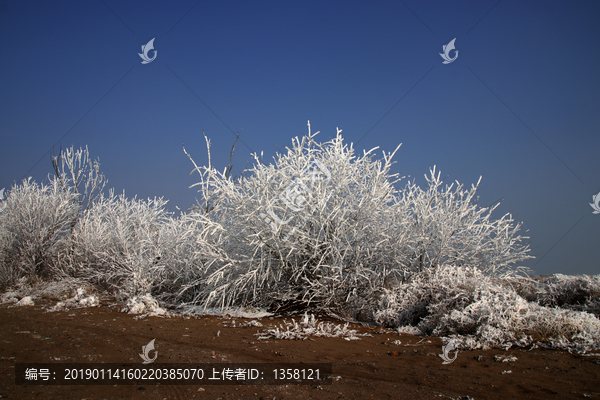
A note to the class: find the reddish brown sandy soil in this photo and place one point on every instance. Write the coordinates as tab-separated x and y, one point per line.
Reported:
372	367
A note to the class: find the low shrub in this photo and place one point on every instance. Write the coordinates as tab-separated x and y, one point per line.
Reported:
34	225
480	311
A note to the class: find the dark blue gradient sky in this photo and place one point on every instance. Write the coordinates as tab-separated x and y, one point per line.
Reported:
519	106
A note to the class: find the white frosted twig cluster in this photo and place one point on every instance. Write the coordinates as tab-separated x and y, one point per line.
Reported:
144	304
78	174
447	227
309	326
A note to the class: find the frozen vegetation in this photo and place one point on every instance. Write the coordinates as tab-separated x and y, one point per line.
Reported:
321	229
309	326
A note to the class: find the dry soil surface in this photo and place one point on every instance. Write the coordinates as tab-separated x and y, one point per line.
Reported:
372	367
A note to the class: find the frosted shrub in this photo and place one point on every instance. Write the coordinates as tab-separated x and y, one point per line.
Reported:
80	300
25	301
117	244
37	224
190	246
135	247
409	304
574	292
33	227
8	273
447	227
313	227
579	292
48	289
480	311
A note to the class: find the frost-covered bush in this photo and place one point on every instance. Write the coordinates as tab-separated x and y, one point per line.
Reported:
321	227
481	311
408	304
38	220
135	247
25	301
190	245
325	227
573	292
60	289
33	227
314	227
117	244
445	226
578	292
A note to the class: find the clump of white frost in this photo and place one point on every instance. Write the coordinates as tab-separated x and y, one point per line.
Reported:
250	324
144	304
410	330
25	301
9	297
90	301
309	326
36	290
500	358
63	288
80	300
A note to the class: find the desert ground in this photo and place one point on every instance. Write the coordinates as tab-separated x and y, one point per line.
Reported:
376	366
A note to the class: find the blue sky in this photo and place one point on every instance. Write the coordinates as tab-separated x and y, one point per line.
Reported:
519	106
